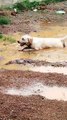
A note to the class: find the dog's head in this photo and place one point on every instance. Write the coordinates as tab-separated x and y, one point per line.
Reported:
25	40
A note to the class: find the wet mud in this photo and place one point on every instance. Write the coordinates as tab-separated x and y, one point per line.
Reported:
28	68
33	107
37	63
48	92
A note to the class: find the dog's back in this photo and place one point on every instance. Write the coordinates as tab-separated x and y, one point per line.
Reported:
40	43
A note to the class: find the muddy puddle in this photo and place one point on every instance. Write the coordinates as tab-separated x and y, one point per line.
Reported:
10	51
48	92
50	69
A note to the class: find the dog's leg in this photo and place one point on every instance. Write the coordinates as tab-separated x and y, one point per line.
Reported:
64	44
65	37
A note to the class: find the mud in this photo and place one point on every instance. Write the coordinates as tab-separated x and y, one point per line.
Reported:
34	107
17	78
37	63
20	65
49	69
48	92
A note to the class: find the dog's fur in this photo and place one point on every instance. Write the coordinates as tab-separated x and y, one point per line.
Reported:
41	43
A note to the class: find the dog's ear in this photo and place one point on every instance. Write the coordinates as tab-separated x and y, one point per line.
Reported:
29	41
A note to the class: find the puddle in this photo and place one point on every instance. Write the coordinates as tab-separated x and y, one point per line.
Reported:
47	69
10	51
51	31
48	92
40	66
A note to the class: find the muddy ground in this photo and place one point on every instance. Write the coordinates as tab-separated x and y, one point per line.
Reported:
30	21
31	107
44	23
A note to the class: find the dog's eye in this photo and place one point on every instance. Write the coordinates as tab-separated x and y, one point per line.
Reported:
22	38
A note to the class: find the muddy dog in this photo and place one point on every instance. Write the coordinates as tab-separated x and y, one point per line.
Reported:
41	43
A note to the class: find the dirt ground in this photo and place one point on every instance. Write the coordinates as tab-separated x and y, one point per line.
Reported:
30	21
32	107
44	23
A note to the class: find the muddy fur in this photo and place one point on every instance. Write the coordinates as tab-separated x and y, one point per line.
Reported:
41	43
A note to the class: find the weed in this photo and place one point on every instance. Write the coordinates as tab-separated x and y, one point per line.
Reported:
1	35
7	39
4	20
30	5
19	6
26	4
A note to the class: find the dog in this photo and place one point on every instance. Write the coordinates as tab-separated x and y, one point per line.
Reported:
41	43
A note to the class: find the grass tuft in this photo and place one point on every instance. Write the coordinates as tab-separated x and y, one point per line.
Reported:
4	20
19	6
26	4
8	39
1	35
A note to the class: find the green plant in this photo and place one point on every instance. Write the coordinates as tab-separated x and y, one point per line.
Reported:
19	6
7	39
26	4
1	35
4	20
29	5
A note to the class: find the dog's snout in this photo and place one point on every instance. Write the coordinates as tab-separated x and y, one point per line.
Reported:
21	43
18	41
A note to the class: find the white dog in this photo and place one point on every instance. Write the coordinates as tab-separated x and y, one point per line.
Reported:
41	43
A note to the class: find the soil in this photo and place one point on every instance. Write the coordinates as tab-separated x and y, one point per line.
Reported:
32	107
29	21
41	23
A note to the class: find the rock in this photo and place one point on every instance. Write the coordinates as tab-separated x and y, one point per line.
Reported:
60	12
35	10
14	12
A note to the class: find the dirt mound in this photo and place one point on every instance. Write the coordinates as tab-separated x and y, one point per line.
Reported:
37	63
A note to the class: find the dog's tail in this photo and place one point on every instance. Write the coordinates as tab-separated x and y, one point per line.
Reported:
62	39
